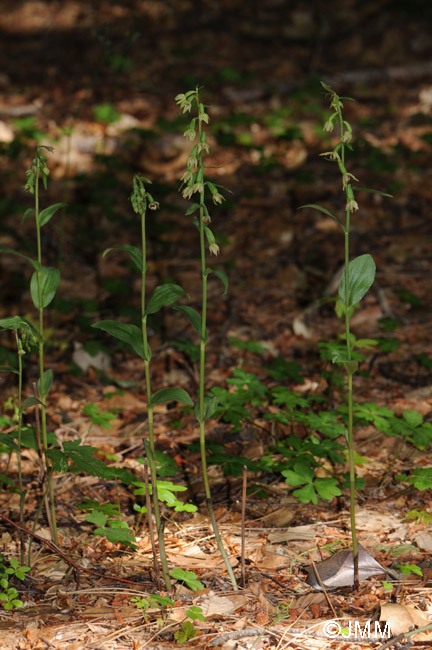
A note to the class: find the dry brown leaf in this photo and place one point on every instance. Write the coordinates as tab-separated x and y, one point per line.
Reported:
279	518
398	617
308	599
423	539
419	618
218	606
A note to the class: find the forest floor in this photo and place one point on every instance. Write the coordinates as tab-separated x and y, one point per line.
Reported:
97	82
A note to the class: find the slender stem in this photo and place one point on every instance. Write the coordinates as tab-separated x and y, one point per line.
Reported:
350	372
151	448
150	525
51	498
203	343
20	419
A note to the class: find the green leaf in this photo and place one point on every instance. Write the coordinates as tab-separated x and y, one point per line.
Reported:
49	280
211	403
365	189
413	418
134	253
193	317
294	479
7	440
124	332
188	577
329	213
29	438
170	395
361	274
30	401
163	296
83	459
16	323
48	380
306	494
327	488
118	535
26	214
97	517
222	276
192	208
34	263
9	369
45	215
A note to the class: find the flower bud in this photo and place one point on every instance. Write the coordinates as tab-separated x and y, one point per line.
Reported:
187	192
352	205
189	134
217	198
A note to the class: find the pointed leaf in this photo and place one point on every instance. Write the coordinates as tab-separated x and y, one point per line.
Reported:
211	404
329	213
26	214
6	440
222	277
45	215
8	369
192	208
365	189
18	323
50	280
124	332
361	274
133	252
170	395
48	380
34	263
193	317
30	401
163	296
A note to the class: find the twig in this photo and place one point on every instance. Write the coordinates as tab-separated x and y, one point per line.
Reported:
323	588
243	531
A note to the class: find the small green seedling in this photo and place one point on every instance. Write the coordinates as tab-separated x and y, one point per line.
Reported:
189	578
9	595
420	516
195	613
106	518
410	569
102	419
186	633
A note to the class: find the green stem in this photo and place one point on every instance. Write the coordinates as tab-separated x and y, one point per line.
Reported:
20	419
351	465
203	343
151	455
42	395
350	372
